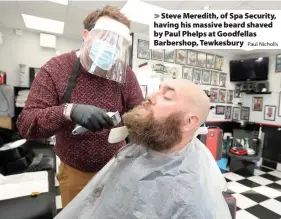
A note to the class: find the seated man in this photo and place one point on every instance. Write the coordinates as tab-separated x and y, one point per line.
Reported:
167	173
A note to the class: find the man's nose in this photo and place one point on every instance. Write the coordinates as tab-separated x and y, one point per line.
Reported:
152	97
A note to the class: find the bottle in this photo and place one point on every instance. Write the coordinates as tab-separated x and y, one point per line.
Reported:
224	145
242	142
246	144
230	143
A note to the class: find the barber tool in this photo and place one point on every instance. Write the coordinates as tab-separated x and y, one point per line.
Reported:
239	151
143	64
115	116
118	134
237	148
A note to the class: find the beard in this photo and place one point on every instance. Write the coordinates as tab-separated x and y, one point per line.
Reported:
159	135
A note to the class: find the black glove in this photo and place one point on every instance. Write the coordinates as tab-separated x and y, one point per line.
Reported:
90	117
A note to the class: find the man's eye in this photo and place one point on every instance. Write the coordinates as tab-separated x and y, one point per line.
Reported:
166	98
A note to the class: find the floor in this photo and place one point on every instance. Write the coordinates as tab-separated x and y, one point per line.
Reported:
258	196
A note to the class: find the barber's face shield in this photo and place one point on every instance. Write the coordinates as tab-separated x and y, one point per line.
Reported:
105	51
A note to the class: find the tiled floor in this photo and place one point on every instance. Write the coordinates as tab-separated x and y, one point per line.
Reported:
258	196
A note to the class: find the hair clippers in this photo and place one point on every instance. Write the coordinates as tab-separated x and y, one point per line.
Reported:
115	116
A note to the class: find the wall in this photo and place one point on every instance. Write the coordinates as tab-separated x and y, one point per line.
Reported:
268	99
146	76
26	50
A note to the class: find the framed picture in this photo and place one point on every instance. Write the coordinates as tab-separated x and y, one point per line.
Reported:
214	93
197	75
222	80
201	60
278	63
279	108
181	55
220	110
230	96
236	113
169	55
237	91
218	63
245	113
143	51
157	54
257	103
172	71
227	114
269	112
187	73
222	95
191	57
210	61
215	78
144	90
206	77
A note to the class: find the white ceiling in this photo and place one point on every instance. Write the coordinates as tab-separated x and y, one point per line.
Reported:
74	13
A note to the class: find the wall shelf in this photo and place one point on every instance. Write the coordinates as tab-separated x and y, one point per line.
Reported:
258	92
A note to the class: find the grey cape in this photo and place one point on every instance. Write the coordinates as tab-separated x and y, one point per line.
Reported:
142	184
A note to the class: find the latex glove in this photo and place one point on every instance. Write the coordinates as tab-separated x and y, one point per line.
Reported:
90	117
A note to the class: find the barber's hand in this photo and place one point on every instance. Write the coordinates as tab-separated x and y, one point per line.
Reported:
90	117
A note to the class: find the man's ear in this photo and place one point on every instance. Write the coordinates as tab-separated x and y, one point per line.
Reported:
190	122
85	34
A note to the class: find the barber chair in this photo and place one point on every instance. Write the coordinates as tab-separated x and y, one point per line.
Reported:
231	202
213	140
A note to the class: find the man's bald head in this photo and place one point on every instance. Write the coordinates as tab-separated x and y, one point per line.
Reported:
193	99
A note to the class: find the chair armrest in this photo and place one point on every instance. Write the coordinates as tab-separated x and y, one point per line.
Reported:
231	203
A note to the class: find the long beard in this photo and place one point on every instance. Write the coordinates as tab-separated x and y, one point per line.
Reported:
159	135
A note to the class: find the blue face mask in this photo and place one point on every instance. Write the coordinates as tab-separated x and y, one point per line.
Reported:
103	55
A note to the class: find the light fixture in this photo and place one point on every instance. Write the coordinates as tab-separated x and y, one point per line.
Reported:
248	49
43	24
62	2
206	7
260	58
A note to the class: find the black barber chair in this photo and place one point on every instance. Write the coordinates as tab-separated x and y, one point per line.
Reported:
17	160
231	202
213	141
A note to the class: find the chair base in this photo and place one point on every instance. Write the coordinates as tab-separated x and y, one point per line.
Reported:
236	165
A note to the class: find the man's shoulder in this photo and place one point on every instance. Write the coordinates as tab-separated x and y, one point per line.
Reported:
60	64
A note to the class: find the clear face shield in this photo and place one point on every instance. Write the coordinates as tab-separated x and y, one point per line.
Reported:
105	52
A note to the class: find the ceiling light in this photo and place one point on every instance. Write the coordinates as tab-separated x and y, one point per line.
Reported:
206	7
43	24
248	49
62	2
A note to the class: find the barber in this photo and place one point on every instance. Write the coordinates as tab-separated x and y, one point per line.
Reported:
79	88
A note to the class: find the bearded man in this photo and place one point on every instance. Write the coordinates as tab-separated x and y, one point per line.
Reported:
166	173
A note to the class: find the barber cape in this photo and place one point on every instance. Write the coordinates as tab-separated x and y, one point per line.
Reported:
144	184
